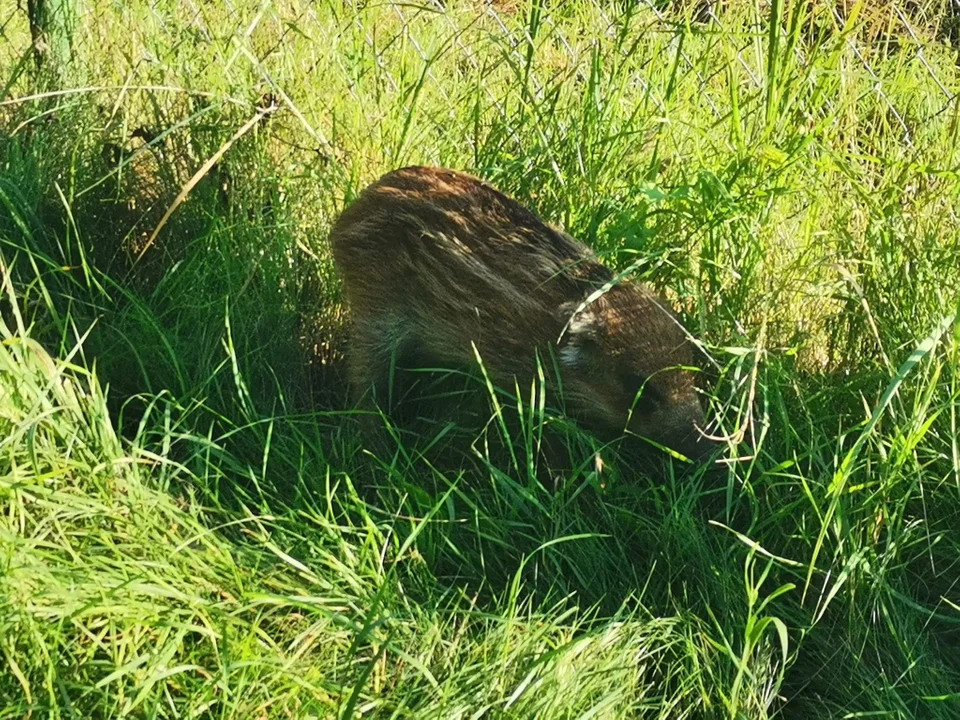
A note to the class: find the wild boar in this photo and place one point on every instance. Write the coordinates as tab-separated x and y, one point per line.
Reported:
438	266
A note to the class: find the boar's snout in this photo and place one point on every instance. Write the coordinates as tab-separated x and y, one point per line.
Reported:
680	428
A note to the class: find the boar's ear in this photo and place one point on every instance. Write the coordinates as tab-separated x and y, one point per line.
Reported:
579	346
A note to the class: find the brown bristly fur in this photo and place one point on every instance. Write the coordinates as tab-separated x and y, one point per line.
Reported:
436	263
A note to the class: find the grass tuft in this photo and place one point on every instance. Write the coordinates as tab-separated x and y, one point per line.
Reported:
191	523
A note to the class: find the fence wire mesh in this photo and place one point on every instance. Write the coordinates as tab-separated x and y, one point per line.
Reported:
578	106
51	45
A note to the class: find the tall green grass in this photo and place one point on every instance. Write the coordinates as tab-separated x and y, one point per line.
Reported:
191	524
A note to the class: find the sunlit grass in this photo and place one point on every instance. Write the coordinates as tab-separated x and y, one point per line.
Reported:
191	524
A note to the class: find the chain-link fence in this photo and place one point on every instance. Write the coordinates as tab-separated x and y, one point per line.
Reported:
46	38
575	106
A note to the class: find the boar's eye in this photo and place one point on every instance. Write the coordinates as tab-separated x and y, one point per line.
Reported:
643	394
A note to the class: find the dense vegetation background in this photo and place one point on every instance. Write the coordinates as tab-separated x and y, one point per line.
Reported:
190	524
